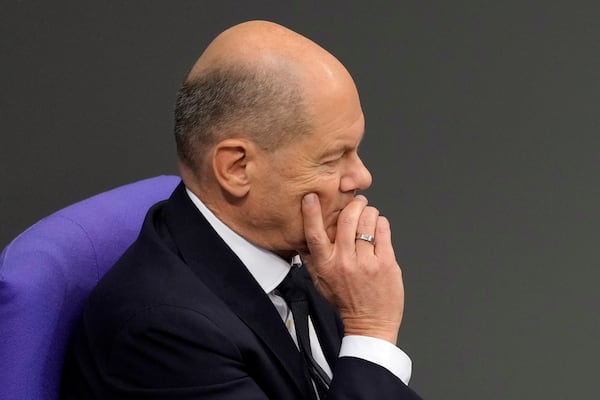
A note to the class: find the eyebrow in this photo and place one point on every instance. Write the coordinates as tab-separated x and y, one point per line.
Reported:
335	150
342	147
338	150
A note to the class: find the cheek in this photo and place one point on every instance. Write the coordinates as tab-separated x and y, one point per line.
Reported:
327	189
330	198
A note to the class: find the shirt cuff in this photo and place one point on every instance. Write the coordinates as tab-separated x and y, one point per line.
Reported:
380	352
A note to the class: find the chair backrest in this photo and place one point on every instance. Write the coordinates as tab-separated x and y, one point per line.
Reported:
47	272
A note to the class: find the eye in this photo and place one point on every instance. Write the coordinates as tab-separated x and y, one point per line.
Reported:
334	160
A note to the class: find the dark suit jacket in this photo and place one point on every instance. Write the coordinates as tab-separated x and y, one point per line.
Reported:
180	317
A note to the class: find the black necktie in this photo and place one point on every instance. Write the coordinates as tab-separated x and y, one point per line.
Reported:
293	291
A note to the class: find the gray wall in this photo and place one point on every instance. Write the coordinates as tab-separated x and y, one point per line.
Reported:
482	136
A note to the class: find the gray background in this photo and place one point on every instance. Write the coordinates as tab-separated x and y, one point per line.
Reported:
482	136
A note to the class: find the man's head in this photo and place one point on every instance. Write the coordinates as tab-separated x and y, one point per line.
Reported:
229	100
264	117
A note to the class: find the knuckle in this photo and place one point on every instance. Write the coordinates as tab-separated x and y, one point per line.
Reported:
370	213
369	217
312	239
372	210
346	220
344	262
371	269
366	223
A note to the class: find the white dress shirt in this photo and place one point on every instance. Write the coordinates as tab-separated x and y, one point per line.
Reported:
269	270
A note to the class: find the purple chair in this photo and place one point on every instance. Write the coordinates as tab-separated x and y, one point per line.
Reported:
47	272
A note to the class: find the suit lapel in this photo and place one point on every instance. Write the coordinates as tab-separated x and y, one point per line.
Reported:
222	271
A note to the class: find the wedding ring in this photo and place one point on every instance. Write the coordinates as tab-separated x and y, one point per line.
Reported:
366	237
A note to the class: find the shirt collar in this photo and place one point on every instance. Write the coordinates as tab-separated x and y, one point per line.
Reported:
267	268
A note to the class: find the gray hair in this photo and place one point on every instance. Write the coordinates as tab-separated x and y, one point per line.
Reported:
263	106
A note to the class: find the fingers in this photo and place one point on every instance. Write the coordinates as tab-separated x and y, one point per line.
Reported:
347	223
367	224
362	280
355	218
383	236
316	237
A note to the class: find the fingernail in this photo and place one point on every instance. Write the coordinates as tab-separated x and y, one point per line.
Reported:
309	199
360	196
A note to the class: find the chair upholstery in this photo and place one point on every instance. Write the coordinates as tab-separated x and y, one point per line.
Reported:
47	272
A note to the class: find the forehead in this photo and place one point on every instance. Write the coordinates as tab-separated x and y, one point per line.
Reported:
344	135
334	111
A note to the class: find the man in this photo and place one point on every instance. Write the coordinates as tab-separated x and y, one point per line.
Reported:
267	128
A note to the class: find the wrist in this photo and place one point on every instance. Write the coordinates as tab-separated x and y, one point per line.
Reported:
385	330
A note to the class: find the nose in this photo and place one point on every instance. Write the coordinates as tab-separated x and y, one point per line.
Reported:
357	176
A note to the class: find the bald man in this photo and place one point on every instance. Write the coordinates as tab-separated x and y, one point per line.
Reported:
267	128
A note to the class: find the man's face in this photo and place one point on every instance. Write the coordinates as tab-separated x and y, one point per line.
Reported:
324	162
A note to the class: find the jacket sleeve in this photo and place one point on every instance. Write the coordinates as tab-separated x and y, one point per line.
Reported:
355	378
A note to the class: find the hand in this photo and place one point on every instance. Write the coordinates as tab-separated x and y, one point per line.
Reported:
363	281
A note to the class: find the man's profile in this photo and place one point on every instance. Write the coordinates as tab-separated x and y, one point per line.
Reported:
267	127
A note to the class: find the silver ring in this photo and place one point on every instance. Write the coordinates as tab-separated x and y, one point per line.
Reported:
366	237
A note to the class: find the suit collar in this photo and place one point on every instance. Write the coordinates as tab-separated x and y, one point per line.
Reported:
209	257
267	268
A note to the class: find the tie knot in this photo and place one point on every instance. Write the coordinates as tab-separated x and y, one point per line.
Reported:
293	286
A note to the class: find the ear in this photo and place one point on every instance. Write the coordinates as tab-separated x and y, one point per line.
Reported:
232	163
